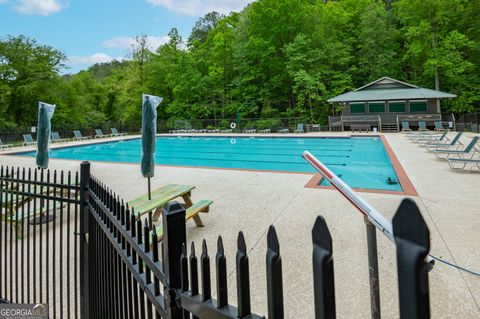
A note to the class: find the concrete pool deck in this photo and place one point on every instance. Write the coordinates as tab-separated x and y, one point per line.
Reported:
251	201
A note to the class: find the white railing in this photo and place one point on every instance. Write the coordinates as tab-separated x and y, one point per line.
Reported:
419	117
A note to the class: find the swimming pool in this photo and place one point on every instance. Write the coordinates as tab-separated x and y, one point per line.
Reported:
362	162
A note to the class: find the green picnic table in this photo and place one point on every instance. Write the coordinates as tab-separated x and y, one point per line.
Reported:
162	196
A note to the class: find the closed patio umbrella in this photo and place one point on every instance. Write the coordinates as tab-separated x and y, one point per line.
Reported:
45	114
149	132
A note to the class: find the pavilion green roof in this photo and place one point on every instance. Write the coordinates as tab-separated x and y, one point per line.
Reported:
387	89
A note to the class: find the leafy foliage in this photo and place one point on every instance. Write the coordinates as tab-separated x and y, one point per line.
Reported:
276	58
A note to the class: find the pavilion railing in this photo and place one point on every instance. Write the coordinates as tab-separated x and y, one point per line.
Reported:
419	117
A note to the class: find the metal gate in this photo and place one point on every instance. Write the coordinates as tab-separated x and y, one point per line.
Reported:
39	242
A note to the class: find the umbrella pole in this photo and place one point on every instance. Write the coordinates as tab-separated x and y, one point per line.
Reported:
44	217
149	192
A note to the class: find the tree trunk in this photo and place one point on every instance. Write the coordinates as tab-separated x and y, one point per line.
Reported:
311	109
437	87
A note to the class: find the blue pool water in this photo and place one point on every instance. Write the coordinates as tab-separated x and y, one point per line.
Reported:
361	161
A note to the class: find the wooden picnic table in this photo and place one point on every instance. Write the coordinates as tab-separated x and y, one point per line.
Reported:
162	196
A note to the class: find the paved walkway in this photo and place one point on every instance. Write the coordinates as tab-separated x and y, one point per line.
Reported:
251	201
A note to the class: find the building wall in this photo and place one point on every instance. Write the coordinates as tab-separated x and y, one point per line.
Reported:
431	108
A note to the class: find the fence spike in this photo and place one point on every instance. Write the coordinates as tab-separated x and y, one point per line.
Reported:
193	270
274	276
118	207
132	224
184	268
243	278
412	239
156	282
323	279
122	215
205	269
154	245
146	236
221	265
150	219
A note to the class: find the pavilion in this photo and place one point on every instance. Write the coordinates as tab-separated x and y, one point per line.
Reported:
385	103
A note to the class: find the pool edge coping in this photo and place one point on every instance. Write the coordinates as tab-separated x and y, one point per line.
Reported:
407	187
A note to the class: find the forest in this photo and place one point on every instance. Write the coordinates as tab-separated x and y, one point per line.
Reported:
275	58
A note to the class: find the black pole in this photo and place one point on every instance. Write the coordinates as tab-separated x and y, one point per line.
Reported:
373	269
84	244
44	217
174	238
149	192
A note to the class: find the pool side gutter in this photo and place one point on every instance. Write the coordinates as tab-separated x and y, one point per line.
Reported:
407	187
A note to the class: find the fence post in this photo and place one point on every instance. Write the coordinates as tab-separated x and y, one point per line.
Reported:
174	237
412	239
478	122
84	257
323	279
373	269
274	276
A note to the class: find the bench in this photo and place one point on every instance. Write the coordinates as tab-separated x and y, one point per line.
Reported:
192	212
360	127
16	217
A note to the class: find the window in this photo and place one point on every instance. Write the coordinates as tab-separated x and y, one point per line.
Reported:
376	107
357	108
418	106
396	107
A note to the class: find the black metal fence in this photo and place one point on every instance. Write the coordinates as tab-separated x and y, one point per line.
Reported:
39	248
469	122
127	278
15	135
70	241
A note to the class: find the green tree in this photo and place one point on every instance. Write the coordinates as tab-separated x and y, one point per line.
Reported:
29	71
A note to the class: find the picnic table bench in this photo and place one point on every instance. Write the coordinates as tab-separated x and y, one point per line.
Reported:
16	207
162	196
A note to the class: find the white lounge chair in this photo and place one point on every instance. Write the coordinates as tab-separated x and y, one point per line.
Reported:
116	133
462	163
424	138
455	143
439	126
99	134
299	129
4	146
406	127
28	140
78	136
57	139
469	150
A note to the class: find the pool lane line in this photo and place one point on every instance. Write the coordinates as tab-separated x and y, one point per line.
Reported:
137	159
237	146
160	155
